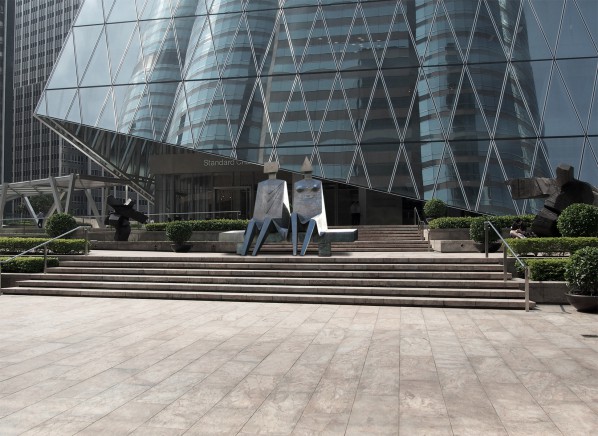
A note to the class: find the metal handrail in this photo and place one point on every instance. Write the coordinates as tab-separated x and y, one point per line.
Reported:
421	224
45	245
487	225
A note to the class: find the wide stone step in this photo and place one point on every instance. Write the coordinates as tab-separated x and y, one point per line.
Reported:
494	303
68	273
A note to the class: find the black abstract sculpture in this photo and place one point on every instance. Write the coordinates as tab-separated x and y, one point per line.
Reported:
309	212
119	219
560	192
271	212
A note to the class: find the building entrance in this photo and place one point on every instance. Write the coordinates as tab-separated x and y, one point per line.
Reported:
233	202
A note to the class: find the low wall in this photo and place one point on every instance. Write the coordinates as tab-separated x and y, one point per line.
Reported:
547	292
198	246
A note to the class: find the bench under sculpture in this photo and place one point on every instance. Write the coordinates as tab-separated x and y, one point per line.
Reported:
560	192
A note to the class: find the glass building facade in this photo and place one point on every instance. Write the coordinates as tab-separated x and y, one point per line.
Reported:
417	98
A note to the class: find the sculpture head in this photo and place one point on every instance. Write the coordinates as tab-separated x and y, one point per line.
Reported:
564	174
271	168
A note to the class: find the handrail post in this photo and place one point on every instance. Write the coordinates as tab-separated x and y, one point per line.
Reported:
526	288
45	258
486	238
86	234
504	264
0	277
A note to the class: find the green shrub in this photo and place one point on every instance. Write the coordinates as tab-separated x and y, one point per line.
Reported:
578	220
434	208
220	225
59	246
60	223
27	264
581	272
550	246
476	230
179	231
451	223
547	270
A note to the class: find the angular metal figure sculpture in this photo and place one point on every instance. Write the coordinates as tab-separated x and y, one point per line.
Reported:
308	208
271	213
119	219
560	192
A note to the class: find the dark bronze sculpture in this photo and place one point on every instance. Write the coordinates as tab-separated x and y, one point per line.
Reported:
309	212
560	192
271	212
119	219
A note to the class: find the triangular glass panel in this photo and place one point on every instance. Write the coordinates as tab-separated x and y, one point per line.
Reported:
401	85
380	125
563	150
179	131
291	159
549	18
593	121
277	90
589	166
445	52
41	106
379	159
486	44
127	103
514	120
400	51
143	125
317	89
107	119
199	98
184	8
295	130
107	7
533	78
336	127
336	161
589	13
358	88
97	73
560	118
254	136
162	95
156	9
358	51
203	64
65	71
297	26
121	94
403	183
315	163
448	185
432	101
471	168
240	59
542	166
86	39
238	94
74	111
423	28
166	66
220	7
495	197
318	55
378	17
200	25
123	10
224	29
577	74
358	174
91	12
469	120
260	26
183	28
517	156
530	41
505	19
118	36
574	39
153	34
279	58
92	102
59	102
131	68
215	135
462	19
431	158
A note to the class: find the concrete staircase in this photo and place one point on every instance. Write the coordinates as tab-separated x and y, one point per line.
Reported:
376	279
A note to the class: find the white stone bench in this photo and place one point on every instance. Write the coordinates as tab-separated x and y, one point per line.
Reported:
324	241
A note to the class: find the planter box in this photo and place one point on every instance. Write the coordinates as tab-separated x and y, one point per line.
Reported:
546	292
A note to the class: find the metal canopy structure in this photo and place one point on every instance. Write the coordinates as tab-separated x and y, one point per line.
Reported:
61	188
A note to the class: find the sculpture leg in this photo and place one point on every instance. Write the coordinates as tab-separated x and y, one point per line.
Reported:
262	236
294	225
249	234
308	233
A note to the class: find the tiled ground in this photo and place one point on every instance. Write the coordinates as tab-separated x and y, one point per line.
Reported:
150	367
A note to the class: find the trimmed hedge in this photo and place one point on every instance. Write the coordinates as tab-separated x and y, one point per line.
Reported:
451	223
220	225
434	208
60	223
546	270
579	220
476	230
550	246
59	246
27	264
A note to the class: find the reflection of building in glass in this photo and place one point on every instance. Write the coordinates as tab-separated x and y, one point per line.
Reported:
419	98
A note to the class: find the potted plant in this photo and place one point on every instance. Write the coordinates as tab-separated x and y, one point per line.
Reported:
477	234
578	220
581	274
179	232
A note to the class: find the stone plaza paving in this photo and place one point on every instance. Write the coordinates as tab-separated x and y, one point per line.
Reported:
163	367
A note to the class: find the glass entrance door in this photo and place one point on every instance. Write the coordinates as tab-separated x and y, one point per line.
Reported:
233	202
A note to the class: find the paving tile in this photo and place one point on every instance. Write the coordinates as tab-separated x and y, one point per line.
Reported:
374	414
278	414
